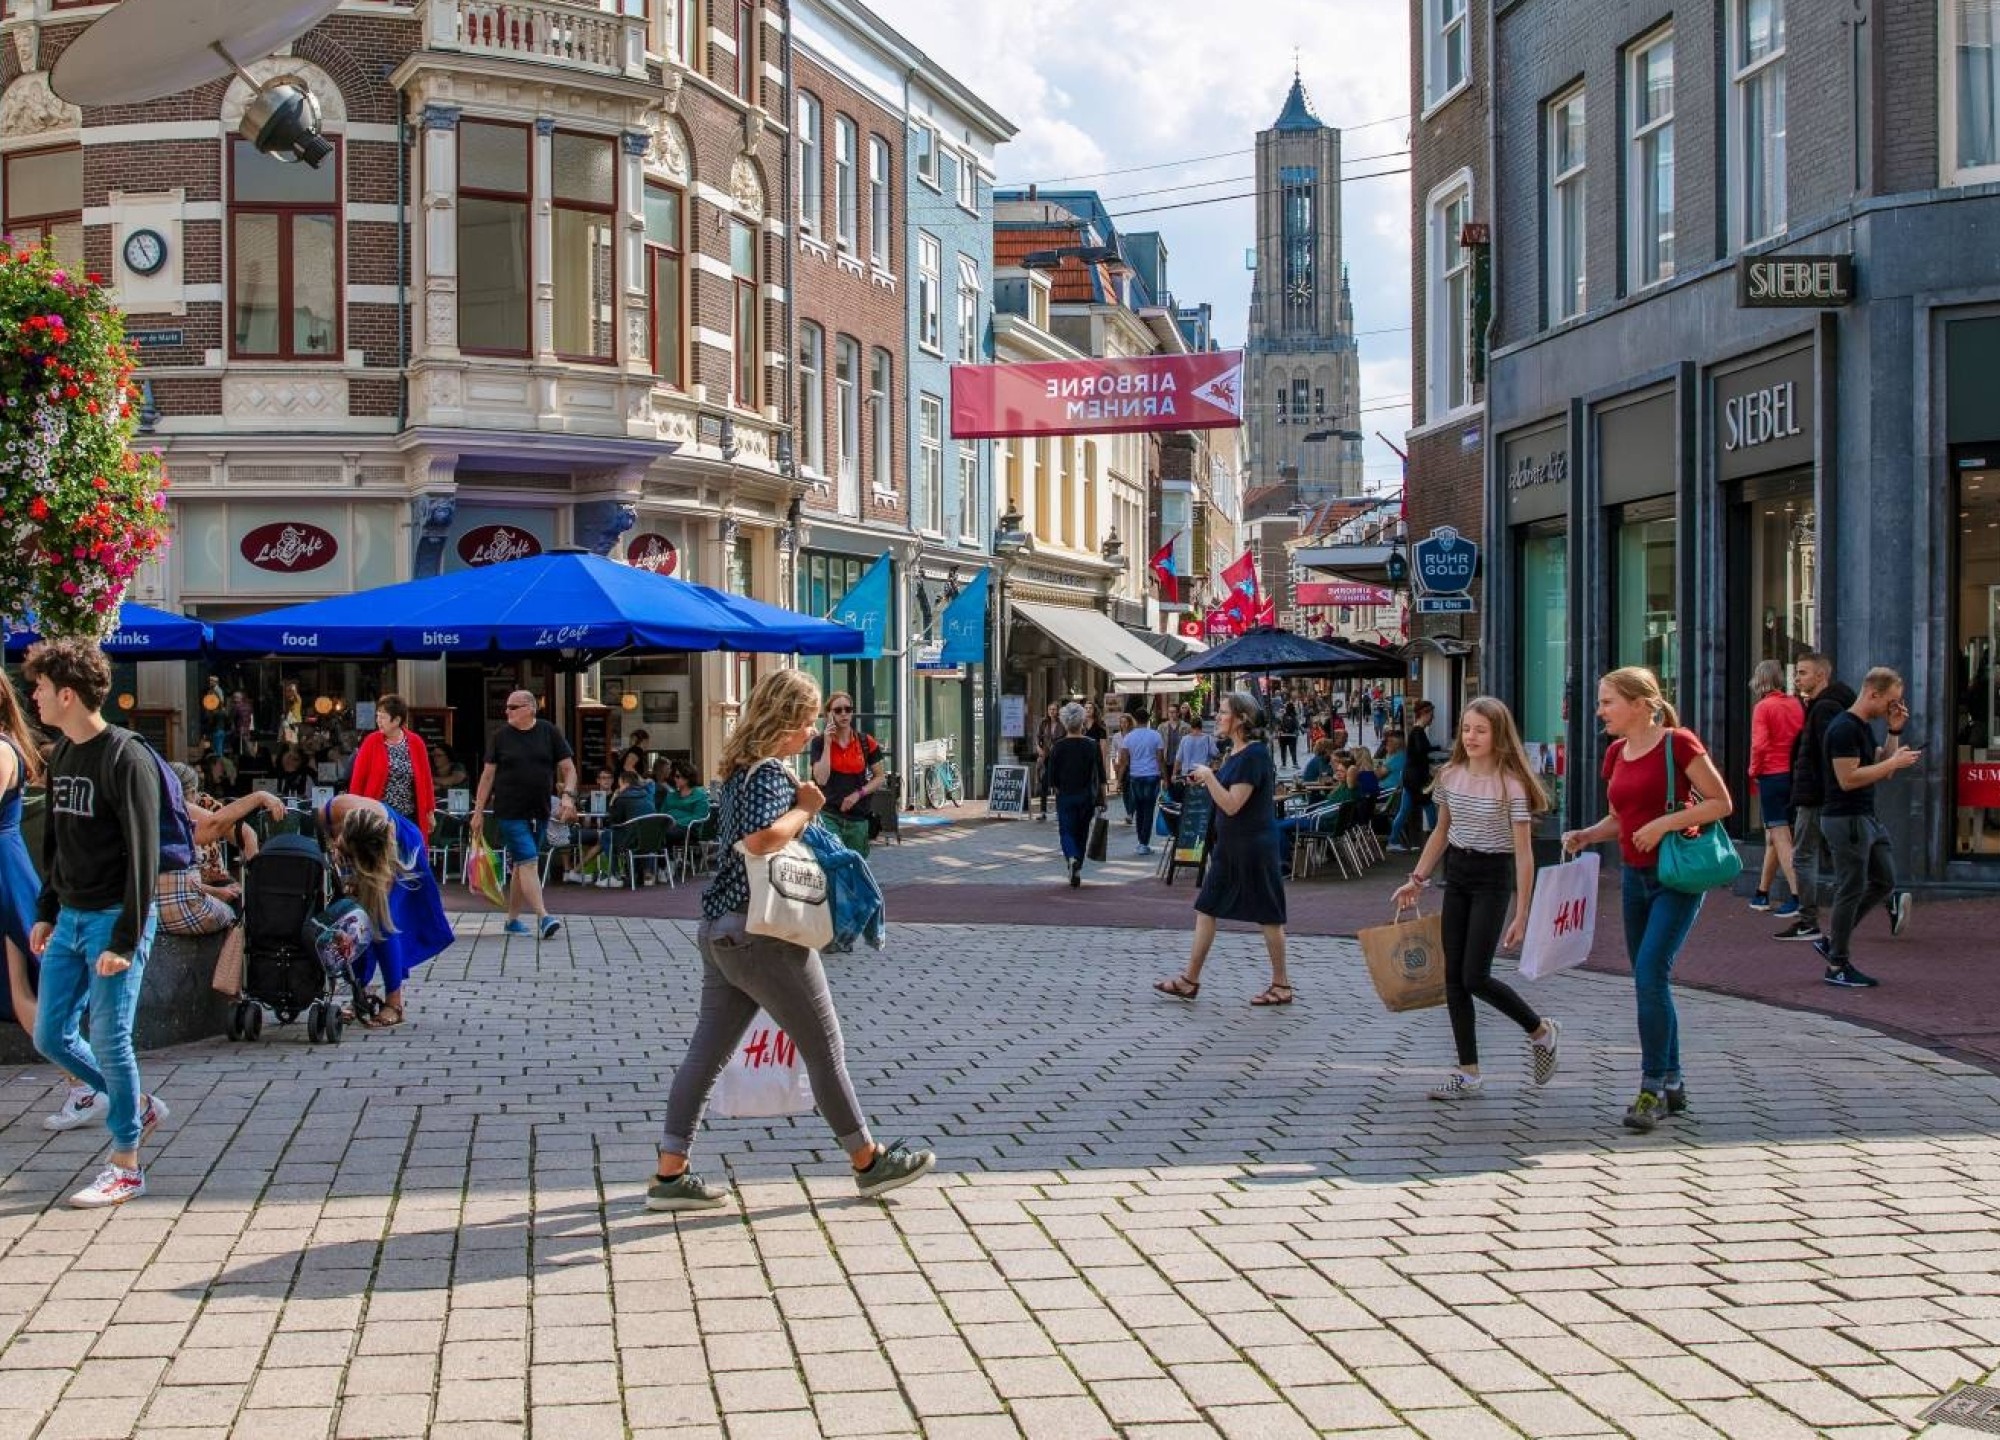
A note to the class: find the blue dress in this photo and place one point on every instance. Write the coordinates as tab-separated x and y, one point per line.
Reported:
1246	873
20	885
416	909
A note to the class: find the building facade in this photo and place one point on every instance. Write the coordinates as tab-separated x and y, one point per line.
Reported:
1746	329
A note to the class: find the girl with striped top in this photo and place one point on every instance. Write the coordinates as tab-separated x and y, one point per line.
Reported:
1486	797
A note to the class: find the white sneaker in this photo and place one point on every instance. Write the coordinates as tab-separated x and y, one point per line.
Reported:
80	1107
151	1113
1546	1053
576	877
608	882
1458	1086
114	1185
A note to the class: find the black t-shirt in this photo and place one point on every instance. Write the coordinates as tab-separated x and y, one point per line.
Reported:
1848	735
524	769
1417	762
1075	766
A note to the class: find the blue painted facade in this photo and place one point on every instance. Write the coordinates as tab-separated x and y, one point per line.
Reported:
935	211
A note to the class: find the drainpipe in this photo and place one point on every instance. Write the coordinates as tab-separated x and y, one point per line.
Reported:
402	270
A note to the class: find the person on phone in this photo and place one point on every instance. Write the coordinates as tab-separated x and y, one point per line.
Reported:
849	766
1487	799
1864	863
1641	723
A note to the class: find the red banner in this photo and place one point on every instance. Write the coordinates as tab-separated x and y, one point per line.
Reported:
1979	786
1094	397
1340	592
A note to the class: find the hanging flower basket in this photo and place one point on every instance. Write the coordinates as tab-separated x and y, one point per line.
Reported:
79	511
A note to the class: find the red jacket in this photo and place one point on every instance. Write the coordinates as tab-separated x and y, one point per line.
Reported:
371	774
1775	722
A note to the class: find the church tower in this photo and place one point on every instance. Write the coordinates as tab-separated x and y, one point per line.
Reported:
1303	399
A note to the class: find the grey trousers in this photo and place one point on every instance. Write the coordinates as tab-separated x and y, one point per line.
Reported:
1807	847
740	973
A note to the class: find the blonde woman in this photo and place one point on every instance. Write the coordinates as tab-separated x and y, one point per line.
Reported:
1641	724
760	804
1487	799
380	856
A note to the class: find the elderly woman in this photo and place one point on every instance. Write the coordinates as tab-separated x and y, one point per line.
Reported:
1075	771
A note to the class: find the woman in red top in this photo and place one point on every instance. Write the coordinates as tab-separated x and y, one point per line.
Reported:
393	767
1775	722
1641	723
849	766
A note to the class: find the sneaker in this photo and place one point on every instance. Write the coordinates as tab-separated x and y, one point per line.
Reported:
1761	900
517	927
1645	1112
1458	1086
150	1117
1545	1053
684	1191
1848	978
1798	930
893	1167
1677	1098
1787	910
1143	850
550	924
114	1185
1399	849
576	877
1075	874
1823	948
610	882
1899	911
81	1106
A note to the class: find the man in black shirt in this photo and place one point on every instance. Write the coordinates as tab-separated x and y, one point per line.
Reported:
1864	865
1417	750
1825	699
94	918
524	760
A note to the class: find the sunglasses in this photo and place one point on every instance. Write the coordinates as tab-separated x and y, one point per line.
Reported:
840	710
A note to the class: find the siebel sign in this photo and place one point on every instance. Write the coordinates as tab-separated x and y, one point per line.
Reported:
1803	281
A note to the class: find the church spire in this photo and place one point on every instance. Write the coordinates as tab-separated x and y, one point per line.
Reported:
1298	111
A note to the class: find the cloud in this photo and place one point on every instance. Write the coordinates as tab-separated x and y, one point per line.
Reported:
1098	88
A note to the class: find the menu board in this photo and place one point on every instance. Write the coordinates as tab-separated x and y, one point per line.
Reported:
433	726
1191	830
1007	790
592	743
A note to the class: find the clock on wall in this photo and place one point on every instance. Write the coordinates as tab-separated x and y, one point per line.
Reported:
1302	291
145	252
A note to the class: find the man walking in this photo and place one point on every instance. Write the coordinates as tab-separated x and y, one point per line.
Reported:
524	760
1139	760
1197	747
1864	865
1825	698
1417	748
94	918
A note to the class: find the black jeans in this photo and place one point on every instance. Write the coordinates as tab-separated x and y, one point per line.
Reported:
1864	873
1478	889
1288	749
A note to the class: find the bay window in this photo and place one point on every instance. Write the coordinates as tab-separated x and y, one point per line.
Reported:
493	244
584	181
666	282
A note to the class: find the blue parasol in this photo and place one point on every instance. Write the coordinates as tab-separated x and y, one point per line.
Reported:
143	633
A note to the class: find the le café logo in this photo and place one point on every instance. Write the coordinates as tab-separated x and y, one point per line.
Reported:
289	547
496	544
653	552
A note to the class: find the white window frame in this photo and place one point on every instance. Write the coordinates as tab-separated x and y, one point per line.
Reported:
969	292
847	413
968	182
1446	261
1736	162
1443	29
1952	171
924	143
1564	302
879	204
1642	145
812	398
968	493
881	419
930	459
846	183
930	296
811	198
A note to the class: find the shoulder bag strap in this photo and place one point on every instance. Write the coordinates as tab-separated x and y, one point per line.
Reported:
1672	803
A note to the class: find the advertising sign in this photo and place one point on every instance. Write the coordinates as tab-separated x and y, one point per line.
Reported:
1979	786
1446	562
1098	396
654	552
496	544
1341	592
289	548
1794	281
1007	791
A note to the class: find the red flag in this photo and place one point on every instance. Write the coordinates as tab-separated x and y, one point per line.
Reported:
1241	576
1267	614
1162	565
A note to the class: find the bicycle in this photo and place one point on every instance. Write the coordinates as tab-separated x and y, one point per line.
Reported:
937	775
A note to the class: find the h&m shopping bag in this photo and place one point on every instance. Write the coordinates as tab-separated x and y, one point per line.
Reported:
482	870
765	1078
1406	962
1563	920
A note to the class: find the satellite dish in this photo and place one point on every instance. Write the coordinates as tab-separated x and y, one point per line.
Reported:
148	48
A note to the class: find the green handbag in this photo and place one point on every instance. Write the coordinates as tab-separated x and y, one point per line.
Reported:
1695	864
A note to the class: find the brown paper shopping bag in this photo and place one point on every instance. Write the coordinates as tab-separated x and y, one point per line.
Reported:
1406	962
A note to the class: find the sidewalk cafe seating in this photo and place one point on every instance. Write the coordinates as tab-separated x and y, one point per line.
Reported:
698	847
449	834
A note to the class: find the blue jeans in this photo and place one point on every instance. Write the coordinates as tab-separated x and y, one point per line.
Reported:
524	840
1073	814
1142	793
107	1062
1657	921
1411	803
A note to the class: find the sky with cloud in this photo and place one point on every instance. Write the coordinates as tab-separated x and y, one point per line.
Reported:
1181	87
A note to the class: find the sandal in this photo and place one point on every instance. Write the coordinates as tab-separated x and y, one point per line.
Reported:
1180	987
1276	995
385	1017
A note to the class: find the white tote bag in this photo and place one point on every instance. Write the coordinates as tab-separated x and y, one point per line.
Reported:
765	1078
1562	922
789	897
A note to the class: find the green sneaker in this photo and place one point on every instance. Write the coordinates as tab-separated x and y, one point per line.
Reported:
684	1191
894	1166
1645	1112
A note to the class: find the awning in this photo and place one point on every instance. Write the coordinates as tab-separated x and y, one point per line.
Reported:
1097	639
1174	647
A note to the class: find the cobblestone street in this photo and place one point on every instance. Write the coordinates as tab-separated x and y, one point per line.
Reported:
1149	1218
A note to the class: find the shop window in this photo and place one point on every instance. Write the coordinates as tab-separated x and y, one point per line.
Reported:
969	336
666	282
847	416
846	143
493	243
746	330
1446	35
1448	365
881	421
284	257
1756	119
1647	622
1784	579
812	397
810	198
1564	218
44	194
930	460
1544	571
1975	685
1650	169
584	175
1971	109
930	286
878	202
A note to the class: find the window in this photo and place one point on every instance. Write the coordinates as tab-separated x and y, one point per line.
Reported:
1757	118
1038	305
968	494
812	397
881	421
284	257
846	143
45	200
493	262
809	179
968	183
746	50
1445	38
1972	91
1646	621
584	176
924	140
878	201
1565	217
970	340
746	329
1650	216
1301	394
847	411
930	283
684	26
666	283
1447	361
930	459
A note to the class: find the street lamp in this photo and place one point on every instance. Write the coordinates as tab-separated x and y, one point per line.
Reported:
1010	542
1112	546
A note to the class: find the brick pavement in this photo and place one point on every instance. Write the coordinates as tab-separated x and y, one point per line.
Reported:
1150	1219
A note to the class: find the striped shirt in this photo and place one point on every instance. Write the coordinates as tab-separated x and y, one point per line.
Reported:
1484	809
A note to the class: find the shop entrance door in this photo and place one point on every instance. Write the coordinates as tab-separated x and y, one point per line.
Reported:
1772	603
1974	689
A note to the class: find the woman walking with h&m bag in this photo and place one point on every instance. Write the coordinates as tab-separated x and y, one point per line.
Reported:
1659	782
765	808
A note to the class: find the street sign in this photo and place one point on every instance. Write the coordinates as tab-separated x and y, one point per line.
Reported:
1444	604
1446	562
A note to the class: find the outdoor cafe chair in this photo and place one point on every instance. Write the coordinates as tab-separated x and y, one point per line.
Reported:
646	838
1311	839
449	833
697	847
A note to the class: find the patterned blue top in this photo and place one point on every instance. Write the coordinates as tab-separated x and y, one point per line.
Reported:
748	801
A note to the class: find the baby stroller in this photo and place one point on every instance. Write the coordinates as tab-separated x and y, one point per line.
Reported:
285	889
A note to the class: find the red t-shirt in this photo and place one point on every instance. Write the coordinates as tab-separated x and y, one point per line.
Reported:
1637	789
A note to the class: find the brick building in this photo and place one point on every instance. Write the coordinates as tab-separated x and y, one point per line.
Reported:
1740	401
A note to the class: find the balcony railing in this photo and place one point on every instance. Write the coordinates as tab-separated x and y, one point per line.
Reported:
575	34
